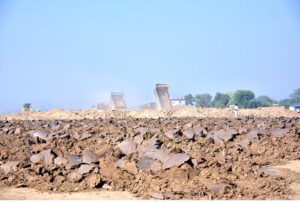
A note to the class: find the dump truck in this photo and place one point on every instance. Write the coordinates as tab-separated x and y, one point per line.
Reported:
162	97
117	101
27	108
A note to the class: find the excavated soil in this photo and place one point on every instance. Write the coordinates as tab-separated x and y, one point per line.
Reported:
161	158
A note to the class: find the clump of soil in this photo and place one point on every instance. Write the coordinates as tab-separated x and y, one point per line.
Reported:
162	158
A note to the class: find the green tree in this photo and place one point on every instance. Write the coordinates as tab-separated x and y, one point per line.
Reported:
220	100
295	97
264	101
285	102
254	103
189	99
203	100
243	97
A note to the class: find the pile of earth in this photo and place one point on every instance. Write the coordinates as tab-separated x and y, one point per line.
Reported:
154	114
163	158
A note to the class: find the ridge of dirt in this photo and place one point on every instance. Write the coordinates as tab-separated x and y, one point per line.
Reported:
174	113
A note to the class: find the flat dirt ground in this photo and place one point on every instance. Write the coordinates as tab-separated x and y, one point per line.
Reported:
32	194
123	154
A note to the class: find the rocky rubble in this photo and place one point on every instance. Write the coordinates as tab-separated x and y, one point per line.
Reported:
163	158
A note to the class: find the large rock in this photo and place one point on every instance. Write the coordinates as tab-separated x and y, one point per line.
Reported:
157	154
73	160
127	147
149	164
176	160
45	156
89	157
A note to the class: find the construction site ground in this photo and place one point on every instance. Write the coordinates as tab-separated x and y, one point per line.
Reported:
188	153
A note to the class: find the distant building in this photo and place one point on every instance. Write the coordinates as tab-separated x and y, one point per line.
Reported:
178	102
102	105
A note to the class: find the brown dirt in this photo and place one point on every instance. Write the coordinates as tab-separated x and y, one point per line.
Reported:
163	158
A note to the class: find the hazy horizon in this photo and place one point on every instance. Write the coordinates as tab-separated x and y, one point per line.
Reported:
72	54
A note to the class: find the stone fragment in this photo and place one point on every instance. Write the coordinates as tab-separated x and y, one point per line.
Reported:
244	143
93	180
157	154
85	168
225	134
127	147
269	170
89	157
18	131
76	136
73	160
60	160
199	130
44	156
47	156
36	158
170	134
189	134
242	130
127	165
144	164
74	177
10	166
215	188
67	127
156	166
279	132
85	136
42	134
176	160
156	195
106	186
64	135
119	162
252	136
138	139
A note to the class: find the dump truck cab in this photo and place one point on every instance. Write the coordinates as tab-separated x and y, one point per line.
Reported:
162	96
27	107
117	101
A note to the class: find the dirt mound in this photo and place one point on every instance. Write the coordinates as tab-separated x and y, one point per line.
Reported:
175	113
162	158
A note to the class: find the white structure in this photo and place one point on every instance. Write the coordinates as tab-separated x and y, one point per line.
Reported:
295	108
178	102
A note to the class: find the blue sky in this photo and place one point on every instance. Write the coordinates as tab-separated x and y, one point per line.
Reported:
71	54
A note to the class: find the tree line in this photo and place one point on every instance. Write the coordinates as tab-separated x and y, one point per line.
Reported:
243	98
